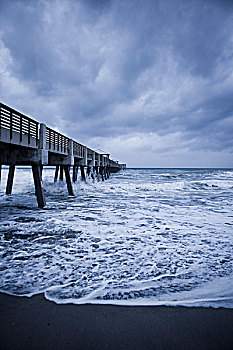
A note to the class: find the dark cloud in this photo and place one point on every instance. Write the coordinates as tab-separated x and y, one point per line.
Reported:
151	77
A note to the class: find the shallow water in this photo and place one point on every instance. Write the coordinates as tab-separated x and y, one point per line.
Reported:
144	237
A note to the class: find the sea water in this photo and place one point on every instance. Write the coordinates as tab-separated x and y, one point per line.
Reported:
143	237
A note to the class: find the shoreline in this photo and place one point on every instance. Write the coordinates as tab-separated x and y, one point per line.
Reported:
37	323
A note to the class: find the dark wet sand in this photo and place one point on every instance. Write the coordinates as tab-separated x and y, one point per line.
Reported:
35	323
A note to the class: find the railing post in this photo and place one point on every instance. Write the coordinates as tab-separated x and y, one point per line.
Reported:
70	157
93	159
71	148
42	146
29	131
37	134
54	140
85	155
21	128
42	137
49	139
11	125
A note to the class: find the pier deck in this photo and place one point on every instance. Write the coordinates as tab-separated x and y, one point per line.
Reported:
24	141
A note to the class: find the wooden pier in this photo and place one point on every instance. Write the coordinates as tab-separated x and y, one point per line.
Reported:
24	141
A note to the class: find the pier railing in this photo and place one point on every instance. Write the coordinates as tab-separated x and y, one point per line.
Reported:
89	153
20	130
19	123
23	141
56	142
78	149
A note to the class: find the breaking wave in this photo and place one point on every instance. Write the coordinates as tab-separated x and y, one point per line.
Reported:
144	237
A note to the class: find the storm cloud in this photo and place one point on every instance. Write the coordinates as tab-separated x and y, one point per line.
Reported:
149	81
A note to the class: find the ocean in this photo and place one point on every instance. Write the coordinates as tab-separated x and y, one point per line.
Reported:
143	237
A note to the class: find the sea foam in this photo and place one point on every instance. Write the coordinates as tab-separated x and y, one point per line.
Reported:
144	237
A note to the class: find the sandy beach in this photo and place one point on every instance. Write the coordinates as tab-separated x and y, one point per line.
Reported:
35	323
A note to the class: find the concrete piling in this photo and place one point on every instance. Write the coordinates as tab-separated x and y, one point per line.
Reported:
68	180
97	172
38	186
83	176
75	173
56	173
41	171
93	174
61	173
102	173
10	179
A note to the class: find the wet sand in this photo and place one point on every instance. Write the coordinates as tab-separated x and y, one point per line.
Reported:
35	323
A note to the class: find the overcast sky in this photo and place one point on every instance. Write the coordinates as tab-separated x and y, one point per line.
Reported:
149	81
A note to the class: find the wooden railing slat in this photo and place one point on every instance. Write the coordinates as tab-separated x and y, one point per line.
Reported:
18	122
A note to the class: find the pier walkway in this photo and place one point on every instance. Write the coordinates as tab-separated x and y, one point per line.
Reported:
24	141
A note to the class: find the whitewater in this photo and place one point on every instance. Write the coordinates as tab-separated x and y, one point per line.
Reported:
143	237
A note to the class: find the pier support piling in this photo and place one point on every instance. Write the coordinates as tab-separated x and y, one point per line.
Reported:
56	173
68	181
10	179
61	173
102	173
88	171
83	176
41	171
93	174
96	169
75	173
38	186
